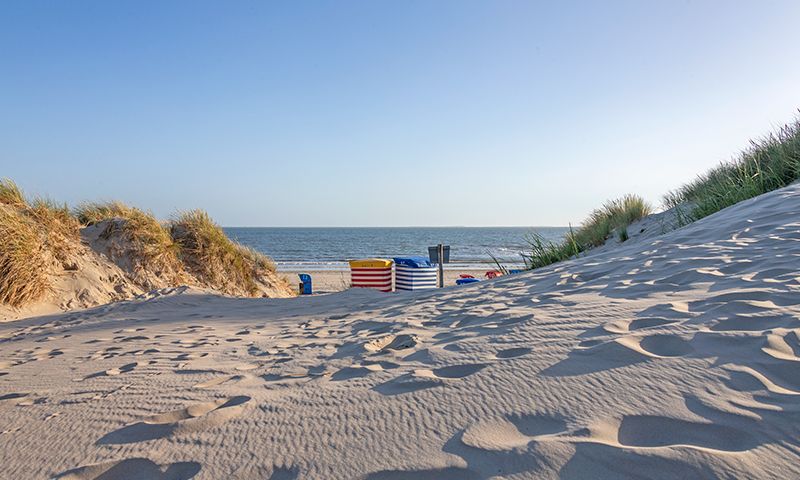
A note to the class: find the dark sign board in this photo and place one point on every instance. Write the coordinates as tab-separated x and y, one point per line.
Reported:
433	253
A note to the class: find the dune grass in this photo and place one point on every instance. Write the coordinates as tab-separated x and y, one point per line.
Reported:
34	234
53	221
613	216
23	258
10	194
59	228
214	258
770	163
90	213
149	241
542	252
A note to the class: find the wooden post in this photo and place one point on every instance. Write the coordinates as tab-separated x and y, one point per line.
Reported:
441	265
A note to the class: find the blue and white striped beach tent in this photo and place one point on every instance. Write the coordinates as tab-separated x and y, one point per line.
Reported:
414	273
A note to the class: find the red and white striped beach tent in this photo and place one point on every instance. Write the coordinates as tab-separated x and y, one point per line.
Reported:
372	273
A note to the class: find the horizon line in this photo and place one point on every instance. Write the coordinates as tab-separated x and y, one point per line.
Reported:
397	226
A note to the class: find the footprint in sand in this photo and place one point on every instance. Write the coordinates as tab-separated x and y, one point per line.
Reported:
289	376
756	323
133	468
406	384
219	381
513	431
655	431
748	379
495	435
13	398
243	367
123	369
448	473
197	417
48	354
188	356
392	342
28	401
284	473
459	371
512	353
134	338
783	346
665	345
423	379
349	373
649	322
593	355
112	372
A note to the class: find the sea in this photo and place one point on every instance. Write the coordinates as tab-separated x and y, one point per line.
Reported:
323	248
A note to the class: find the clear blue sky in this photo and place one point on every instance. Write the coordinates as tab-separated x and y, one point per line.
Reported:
385	113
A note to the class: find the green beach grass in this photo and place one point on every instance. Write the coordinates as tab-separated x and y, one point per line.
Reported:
769	163
613	216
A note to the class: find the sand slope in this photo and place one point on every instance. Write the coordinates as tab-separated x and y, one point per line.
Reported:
677	357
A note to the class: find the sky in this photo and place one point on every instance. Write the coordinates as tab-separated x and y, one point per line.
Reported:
378	113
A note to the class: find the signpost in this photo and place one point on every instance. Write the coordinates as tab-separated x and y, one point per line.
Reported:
440	254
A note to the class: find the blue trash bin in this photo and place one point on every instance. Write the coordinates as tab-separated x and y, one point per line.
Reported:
305	284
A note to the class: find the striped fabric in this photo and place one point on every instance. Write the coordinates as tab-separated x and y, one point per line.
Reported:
410	278
378	278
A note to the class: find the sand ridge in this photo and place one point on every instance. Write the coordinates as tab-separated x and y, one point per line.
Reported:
673	357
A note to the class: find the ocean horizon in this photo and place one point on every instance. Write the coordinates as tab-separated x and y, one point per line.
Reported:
329	248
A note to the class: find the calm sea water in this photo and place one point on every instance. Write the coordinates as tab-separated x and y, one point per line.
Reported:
329	248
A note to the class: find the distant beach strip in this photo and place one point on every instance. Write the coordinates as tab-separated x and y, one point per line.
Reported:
328	249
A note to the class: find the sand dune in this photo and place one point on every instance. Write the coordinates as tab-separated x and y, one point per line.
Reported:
676	356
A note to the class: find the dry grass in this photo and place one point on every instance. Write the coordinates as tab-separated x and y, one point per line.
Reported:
261	262
90	213
147	241
10	194
59	228
23	259
190	249
31	235
214	258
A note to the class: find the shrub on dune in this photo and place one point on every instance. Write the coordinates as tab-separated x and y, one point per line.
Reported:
214	258
23	259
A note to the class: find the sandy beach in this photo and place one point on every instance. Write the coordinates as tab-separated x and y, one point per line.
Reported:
672	357
170	169
329	281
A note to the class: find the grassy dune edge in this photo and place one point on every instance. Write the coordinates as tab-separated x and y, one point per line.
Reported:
770	163
42	241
